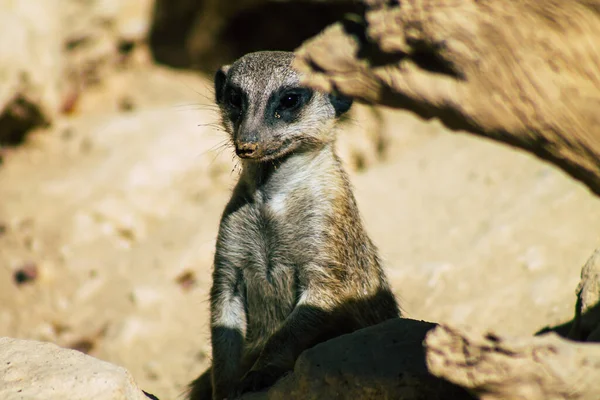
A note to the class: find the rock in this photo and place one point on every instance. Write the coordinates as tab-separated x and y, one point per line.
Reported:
588	290
385	361
586	326
422	56
51	50
498	367
37	370
98	34
30	67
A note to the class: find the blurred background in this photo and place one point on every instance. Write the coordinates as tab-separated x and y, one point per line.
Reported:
114	173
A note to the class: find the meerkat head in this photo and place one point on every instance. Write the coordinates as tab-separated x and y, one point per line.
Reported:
267	113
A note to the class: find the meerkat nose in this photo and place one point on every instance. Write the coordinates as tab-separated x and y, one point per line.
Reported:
246	149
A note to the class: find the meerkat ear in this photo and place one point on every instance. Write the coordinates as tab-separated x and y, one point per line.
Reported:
220	78
340	103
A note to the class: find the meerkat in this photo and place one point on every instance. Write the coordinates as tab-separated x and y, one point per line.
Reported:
293	265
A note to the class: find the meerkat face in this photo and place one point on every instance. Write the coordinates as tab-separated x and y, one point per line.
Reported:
267	113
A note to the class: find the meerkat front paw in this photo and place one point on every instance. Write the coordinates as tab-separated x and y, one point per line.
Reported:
263	378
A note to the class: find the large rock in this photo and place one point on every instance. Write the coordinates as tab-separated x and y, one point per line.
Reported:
499	367
51	50
37	370
30	65
99	34
505	70
386	361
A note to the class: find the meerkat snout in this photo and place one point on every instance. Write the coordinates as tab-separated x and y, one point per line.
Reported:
267	113
246	149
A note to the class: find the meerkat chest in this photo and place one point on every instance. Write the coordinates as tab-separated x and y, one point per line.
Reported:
267	250
268	238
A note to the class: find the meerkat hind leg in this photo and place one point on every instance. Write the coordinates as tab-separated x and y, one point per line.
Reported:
227	336
201	387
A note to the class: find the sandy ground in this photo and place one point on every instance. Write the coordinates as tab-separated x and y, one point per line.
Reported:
117	206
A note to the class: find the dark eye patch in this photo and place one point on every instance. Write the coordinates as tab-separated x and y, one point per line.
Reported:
233	98
235	101
285	104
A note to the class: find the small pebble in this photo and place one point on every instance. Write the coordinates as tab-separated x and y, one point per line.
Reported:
26	273
150	396
187	279
126	104
69	102
83	345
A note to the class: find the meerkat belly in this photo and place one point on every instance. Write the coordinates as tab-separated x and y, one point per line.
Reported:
269	301
269	270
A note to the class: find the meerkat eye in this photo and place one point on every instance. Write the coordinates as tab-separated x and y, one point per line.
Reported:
289	101
234	99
